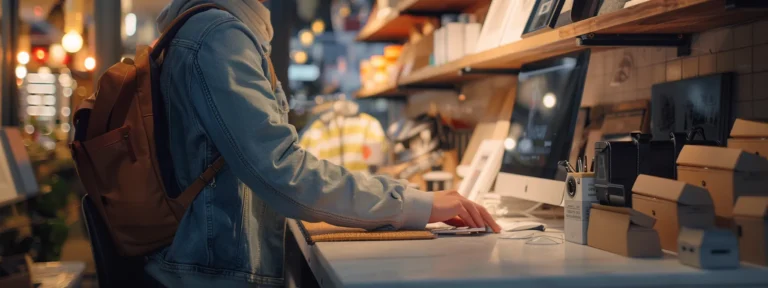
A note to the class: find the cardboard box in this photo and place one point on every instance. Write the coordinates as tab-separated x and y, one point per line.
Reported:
708	249
751	217
623	231
750	136
727	174
674	204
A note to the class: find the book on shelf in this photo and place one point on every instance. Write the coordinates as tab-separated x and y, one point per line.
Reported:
471	35
518	15
454	41
493	27
565	14
439	46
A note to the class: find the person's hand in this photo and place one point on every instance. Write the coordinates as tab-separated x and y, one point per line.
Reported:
447	205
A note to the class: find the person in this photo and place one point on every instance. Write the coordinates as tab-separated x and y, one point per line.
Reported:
219	100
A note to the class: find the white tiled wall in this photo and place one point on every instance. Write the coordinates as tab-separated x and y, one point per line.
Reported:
742	49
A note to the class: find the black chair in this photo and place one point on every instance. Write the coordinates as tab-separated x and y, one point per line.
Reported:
112	269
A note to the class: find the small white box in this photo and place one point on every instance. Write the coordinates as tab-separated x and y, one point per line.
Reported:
708	249
454	41
439	47
471	35
579	195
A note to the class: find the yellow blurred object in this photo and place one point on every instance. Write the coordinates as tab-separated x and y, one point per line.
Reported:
344	11
57	54
378	62
392	52
365	71
300	57
306	38
365	66
380	77
318	26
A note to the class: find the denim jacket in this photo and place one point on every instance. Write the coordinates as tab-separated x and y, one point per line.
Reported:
219	101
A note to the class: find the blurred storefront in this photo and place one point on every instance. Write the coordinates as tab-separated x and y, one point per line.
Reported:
50	64
54	50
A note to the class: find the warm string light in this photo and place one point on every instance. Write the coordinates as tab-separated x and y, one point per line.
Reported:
306	38
72	42
89	63
318	26
22	58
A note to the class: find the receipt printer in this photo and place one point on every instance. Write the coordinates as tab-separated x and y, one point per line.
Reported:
579	196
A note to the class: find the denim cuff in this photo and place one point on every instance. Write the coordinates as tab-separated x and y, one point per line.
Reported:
417	207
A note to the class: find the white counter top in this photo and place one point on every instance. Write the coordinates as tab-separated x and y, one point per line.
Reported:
488	261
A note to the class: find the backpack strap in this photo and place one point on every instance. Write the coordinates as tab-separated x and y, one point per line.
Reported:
189	194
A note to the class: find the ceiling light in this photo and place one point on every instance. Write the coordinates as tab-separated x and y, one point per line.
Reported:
130	24
22	58
72	42
21	72
89	63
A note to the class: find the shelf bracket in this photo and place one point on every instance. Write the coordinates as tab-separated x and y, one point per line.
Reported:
469	71
746	4
443	87
681	41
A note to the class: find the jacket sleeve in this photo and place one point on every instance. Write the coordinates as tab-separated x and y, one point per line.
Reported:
242	116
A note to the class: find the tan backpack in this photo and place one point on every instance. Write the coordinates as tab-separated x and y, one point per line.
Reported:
122	153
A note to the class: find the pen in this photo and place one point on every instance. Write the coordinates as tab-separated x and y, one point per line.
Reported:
592	168
578	165
566	165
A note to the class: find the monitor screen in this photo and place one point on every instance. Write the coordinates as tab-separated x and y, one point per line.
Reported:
702	102
544	116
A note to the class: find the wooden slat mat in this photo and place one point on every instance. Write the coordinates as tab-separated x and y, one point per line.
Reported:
324	232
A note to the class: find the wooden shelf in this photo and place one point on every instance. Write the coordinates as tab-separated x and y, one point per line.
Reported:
654	16
383	91
396	27
439	6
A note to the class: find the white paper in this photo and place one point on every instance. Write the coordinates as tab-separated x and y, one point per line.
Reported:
519	14
493	28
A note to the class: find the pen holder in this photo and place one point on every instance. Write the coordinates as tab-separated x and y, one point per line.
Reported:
579	195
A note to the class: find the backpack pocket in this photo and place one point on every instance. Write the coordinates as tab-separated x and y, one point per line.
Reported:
112	157
129	190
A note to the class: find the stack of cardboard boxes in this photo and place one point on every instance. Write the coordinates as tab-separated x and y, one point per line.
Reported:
720	194
727	173
751	217
674	204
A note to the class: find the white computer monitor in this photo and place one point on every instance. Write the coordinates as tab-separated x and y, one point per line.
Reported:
541	128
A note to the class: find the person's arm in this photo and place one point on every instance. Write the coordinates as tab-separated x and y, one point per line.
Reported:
238	110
